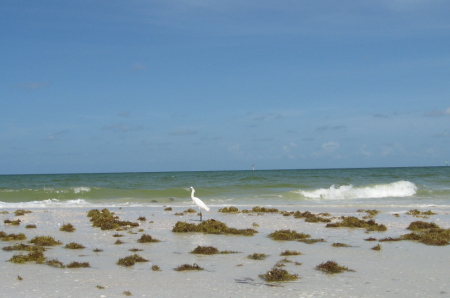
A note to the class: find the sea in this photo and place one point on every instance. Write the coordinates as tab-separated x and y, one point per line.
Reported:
414	187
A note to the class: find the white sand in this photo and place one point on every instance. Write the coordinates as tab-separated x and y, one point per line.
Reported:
405	268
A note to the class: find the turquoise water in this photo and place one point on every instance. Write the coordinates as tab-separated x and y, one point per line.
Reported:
379	186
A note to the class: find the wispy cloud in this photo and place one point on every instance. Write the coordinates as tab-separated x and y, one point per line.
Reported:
56	136
438	113
32	85
331	128
124	114
327	148
183	132
119	127
138	66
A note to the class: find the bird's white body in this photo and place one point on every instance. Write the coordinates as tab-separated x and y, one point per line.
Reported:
198	202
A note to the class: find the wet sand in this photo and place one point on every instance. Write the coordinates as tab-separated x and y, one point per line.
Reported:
403	268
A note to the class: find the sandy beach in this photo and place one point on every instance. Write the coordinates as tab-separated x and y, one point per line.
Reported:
400	268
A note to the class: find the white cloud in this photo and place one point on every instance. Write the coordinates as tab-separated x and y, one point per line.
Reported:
122	127
32	85
182	132
330	147
327	148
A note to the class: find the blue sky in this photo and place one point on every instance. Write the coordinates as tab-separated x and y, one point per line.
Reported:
119	86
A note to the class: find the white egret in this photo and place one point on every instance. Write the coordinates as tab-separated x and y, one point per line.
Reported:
199	203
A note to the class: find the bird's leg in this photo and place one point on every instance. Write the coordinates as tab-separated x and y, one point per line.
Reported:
200	216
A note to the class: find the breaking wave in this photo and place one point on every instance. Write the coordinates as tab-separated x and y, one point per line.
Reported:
395	189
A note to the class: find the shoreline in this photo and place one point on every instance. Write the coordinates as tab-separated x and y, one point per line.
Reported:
403	267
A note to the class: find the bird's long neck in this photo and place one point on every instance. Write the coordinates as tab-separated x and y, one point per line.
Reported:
192	193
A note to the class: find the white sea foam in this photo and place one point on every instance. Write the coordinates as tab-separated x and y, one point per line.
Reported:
395	189
46	204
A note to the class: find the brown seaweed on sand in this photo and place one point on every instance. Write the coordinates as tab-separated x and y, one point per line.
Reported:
288	235
428	233
278	274
257	256
67	228
211	226
290	253
34	256
131	260
331	267
147	239
230	209
107	220
354	222
186	267
205	250
73	245
45	241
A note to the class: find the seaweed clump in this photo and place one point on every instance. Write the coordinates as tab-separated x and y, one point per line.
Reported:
290	253
417	213
310	217
131	260
331	267
422	225
45	241
30	226
428	233
36	256
12	222
186	267
147	239
370	213
211	226
288	235
340	245
259	209
73	245
205	250
20	212
67	228
106	220
23	247
278	274
78	265
354	222
12	237
257	256
230	209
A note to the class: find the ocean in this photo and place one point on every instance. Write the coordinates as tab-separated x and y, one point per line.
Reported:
412	186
